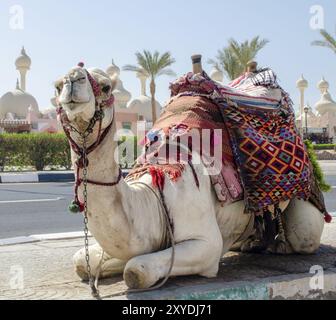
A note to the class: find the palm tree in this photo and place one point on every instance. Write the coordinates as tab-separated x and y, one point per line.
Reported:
232	60
152	66
328	42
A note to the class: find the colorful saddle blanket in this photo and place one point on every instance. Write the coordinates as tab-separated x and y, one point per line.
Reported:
263	159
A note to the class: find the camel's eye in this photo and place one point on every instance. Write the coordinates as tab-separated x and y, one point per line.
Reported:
106	89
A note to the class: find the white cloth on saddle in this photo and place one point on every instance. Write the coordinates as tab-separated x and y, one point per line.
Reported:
245	85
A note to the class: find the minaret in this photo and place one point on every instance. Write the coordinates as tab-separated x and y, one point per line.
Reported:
122	96
302	85
23	63
323	86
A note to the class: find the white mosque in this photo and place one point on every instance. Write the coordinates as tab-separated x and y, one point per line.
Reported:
19	110
319	123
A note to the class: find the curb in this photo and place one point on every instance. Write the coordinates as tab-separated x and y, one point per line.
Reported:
286	287
37	177
41	237
40	177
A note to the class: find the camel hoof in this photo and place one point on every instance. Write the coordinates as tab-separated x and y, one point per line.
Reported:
253	246
279	248
134	279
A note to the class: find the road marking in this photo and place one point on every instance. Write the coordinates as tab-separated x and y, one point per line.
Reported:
33	200
34	183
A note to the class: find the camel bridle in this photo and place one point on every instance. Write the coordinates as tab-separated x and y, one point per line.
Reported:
82	162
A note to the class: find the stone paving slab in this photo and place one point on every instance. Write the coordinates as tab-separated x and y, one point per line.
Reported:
48	274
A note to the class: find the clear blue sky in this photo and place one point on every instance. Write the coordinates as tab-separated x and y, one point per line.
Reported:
58	34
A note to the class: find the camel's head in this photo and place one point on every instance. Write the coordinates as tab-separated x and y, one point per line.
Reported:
81	92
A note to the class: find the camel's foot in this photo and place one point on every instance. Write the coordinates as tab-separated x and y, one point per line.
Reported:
280	248
106	266
253	245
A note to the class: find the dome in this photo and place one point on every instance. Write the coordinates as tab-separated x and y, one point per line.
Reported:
113	70
323	85
326	104
216	75
17	102
143	107
302	83
23	61
121	95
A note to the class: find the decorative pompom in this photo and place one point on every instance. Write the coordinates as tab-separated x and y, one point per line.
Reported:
81	64
75	207
328	218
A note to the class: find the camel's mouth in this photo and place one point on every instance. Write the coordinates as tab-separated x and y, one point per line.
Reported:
73	105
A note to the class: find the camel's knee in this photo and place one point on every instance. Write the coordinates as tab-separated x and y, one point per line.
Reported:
99	262
80	264
140	273
304	226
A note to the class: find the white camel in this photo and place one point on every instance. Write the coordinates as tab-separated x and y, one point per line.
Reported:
128	222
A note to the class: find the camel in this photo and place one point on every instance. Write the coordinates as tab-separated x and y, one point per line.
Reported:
127	219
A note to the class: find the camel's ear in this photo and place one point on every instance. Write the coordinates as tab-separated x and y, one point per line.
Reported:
59	86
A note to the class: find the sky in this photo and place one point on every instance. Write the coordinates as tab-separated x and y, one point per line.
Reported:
59	34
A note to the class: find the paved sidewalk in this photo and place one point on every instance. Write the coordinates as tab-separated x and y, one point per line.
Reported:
48	274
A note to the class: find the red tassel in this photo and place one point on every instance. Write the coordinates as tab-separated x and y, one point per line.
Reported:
158	177
328	218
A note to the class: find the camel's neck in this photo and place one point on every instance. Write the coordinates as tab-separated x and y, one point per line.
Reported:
102	166
126	210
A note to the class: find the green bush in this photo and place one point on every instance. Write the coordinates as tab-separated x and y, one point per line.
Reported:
324	186
319	147
37	150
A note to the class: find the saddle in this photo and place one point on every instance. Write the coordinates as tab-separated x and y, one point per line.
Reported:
263	159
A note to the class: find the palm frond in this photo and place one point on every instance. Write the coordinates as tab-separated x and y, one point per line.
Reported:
166	72
328	42
232	59
152	64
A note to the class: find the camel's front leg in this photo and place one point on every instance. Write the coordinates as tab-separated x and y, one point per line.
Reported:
106	265
192	257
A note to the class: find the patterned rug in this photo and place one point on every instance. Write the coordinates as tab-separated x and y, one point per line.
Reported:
263	160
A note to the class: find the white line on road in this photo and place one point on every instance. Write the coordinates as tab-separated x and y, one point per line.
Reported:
33	200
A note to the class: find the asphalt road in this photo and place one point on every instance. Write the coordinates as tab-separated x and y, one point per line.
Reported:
28	209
